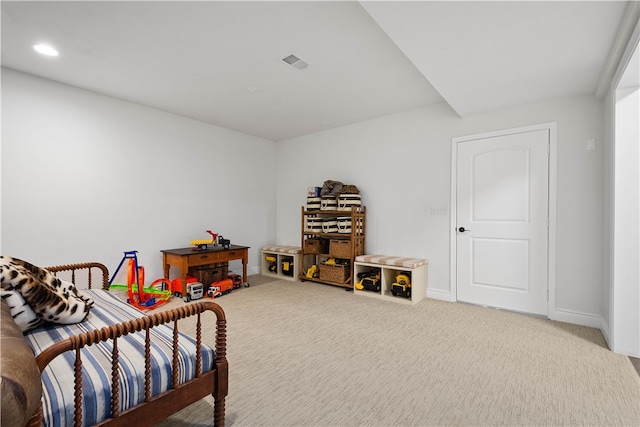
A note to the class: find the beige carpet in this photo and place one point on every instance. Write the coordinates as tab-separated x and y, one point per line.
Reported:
307	354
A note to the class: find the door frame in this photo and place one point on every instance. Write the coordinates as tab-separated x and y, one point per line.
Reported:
551	241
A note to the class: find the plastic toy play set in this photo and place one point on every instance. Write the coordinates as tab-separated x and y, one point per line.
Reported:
161	290
144	298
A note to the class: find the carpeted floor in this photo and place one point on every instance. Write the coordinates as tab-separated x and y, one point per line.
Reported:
307	354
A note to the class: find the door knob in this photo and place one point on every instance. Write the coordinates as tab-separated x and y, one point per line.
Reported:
462	229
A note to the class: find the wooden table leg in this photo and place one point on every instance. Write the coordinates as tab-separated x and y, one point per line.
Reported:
245	261
165	266
184	268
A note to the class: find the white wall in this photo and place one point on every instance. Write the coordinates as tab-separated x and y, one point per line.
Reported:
401	164
86	177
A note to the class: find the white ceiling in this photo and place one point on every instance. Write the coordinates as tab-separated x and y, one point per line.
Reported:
221	62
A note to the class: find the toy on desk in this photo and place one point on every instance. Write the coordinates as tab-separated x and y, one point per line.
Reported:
139	296
402	285
225	243
204	244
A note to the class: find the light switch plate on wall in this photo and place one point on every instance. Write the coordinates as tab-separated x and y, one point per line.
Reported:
439	210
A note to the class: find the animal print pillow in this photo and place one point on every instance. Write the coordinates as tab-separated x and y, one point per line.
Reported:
35	295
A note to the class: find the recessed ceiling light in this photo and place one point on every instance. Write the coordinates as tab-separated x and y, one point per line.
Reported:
253	89
45	49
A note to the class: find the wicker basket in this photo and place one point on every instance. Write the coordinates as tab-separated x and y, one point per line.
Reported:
316	246
334	273
207	274
340	248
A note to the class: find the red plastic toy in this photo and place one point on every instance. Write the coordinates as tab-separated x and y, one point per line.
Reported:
139	296
217	289
176	285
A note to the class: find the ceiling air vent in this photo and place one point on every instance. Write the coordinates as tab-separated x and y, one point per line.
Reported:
296	62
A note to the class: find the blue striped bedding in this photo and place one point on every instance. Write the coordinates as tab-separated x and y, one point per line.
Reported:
58	390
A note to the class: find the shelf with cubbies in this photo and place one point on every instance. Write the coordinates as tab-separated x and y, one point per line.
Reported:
280	262
331	240
397	279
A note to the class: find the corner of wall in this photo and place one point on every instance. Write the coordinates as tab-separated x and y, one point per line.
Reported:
604	328
576	318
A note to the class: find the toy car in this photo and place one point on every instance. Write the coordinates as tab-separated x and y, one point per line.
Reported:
402	285
195	290
287	267
272	263
236	279
313	272
369	280
176	285
371	283
225	243
214	292
221	287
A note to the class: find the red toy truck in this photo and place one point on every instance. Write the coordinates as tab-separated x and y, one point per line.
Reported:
176	285
217	289
237	280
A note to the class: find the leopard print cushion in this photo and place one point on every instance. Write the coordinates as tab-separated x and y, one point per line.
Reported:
36	295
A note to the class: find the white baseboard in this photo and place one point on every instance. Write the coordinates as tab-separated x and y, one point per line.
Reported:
576	318
439	295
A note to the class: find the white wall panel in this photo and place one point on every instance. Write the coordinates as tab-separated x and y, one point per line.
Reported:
86	177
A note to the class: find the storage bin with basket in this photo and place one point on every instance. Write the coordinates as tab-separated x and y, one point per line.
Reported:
209	273
340	248
316	246
337	273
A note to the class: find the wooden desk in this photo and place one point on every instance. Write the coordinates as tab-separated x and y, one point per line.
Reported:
183	258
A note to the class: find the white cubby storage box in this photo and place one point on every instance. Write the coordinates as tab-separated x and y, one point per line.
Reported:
281	261
390	267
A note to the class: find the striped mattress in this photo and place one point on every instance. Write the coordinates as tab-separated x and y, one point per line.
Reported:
58	390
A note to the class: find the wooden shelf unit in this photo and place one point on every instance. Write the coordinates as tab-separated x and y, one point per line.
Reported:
350	244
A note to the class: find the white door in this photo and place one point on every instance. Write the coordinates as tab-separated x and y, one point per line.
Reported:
502	221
